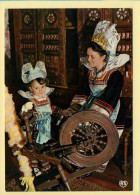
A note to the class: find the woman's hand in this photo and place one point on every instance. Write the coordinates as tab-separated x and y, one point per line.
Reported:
71	110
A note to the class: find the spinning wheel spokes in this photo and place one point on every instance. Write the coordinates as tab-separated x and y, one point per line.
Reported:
95	136
91	137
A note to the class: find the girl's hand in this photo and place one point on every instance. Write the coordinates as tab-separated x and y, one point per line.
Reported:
26	107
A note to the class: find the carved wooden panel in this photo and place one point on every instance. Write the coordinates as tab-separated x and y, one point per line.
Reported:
123	18
28	35
51	39
93	15
125	44
24	22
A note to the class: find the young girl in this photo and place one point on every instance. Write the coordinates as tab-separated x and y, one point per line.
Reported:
38	96
39	101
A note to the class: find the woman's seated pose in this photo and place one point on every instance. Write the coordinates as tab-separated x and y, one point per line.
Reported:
102	86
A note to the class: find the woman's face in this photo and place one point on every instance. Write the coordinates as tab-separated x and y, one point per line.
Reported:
37	89
94	59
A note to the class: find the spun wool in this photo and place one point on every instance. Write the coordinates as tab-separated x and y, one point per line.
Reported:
16	137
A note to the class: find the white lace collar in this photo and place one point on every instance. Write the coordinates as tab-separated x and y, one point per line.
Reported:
29	95
113	62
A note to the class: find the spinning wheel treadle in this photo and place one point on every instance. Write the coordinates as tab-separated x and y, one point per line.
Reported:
94	134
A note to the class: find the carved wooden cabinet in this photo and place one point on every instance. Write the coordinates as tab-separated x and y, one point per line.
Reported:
41	34
59	38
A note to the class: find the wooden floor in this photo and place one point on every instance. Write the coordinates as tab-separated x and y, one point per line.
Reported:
110	179
112	176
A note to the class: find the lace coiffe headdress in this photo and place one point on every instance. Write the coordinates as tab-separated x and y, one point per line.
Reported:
29	73
106	35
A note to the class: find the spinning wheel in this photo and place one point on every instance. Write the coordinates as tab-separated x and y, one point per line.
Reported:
95	136
87	139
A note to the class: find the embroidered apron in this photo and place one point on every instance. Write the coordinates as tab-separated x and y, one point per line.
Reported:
95	92
43	122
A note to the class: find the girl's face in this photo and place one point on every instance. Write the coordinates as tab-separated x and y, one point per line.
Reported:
94	59
38	89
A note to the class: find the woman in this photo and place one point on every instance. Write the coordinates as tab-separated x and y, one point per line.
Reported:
103	83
